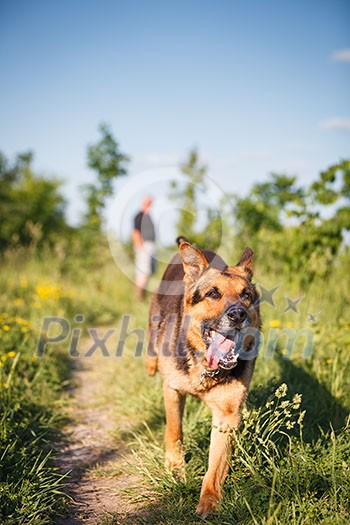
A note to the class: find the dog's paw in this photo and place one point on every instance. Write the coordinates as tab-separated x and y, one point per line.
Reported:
175	460
207	504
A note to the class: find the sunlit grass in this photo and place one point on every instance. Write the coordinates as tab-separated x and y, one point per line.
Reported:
283	469
291	459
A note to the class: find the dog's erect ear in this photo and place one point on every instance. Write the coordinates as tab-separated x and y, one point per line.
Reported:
246	262
194	262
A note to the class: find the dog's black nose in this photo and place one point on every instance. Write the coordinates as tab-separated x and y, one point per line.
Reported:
237	314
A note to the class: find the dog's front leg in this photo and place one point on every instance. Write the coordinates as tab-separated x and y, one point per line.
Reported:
174	407
219	453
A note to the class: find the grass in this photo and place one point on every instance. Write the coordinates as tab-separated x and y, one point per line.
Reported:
31	485
290	462
33	392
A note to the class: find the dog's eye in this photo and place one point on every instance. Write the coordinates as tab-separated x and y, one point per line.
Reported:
213	294
246	295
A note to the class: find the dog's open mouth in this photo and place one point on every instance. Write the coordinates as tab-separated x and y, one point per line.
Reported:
222	352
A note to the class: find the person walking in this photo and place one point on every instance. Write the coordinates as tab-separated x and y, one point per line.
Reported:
143	238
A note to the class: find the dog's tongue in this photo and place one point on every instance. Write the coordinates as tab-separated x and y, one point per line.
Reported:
217	349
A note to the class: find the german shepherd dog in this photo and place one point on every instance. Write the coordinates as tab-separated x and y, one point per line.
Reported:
204	330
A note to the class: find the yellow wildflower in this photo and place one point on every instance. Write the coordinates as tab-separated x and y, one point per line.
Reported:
11	354
20	321
23	282
6	328
329	361
275	323
46	292
18	302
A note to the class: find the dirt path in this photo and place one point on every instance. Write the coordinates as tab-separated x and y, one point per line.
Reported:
93	456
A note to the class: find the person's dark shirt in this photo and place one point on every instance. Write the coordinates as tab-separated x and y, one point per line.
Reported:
143	223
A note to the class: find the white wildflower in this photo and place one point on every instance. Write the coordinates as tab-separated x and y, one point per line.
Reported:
301	417
297	400
281	391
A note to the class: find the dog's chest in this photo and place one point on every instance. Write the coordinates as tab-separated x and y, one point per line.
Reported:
194	382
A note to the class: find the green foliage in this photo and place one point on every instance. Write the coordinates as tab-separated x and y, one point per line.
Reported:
277	474
266	205
219	232
109	163
284	469
31	204
324	190
187	196
297	482
32	399
298	232
31	486
333	188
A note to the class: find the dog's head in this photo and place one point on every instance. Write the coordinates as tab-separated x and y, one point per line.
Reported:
222	308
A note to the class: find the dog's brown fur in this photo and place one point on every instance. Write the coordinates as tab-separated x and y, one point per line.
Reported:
198	287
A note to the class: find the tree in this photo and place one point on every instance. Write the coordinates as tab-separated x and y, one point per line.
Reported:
333	188
109	163
31	206
187	195
268	204
307	246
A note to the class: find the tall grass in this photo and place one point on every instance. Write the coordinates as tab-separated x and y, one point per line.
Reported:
291	456
285	467
32	389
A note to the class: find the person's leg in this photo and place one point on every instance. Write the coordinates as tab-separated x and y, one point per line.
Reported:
142	263
141	285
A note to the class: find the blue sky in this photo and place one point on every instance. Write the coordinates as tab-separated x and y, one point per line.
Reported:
256	86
